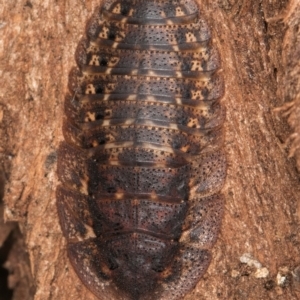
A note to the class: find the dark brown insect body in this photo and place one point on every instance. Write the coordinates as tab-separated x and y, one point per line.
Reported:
142	164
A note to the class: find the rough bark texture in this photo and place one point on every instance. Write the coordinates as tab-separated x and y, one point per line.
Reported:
257	255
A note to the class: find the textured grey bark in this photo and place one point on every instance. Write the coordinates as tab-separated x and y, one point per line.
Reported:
259	45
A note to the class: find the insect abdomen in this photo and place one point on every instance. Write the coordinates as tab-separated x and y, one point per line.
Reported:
142	162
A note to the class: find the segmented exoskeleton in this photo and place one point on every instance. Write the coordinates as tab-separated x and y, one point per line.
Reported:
142	165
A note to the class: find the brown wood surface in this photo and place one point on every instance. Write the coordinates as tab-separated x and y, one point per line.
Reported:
259	42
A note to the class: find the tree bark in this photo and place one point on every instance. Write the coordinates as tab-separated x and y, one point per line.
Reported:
257	255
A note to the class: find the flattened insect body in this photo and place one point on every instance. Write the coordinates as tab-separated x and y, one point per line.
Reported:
142	165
